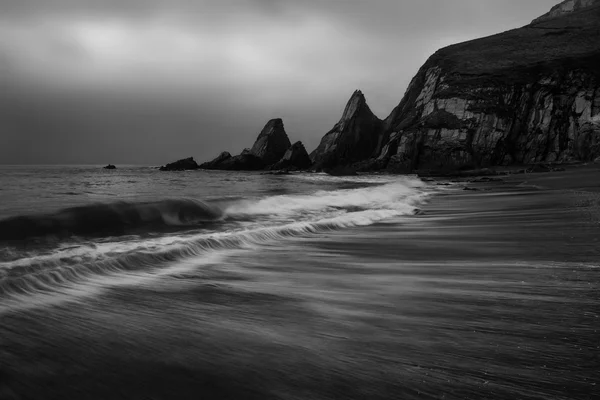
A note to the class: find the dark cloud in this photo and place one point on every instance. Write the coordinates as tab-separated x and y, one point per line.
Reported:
146	81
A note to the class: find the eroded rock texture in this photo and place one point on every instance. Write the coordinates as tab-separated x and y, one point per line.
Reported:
525	96
356	137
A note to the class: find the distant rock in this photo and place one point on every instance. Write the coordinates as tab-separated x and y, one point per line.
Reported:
272	143
296	157
181	165
214	164
356	137
110	166
242	162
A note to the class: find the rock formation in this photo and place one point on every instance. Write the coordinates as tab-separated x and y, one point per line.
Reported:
270	146
356	137
181	165
242	162
296	157
525	96
214	164
272	143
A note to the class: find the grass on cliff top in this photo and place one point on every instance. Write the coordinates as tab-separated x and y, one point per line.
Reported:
571	41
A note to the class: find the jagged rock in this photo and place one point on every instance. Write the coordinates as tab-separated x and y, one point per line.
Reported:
356	137
214	164
272	143
181	165
526	96
110	166
296	157
246	151
242	162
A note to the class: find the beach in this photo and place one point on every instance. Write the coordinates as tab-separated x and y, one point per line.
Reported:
484	294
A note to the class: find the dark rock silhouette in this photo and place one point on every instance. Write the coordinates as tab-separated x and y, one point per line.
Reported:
272	142
270	146
356	137
110	166
214	164
181	165
296	158
242	162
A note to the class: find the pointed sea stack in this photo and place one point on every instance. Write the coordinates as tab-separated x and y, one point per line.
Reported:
296	157
356	137
272	143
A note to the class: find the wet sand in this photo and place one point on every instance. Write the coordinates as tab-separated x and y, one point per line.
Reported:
489	294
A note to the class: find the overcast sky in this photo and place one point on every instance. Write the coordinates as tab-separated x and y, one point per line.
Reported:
151	81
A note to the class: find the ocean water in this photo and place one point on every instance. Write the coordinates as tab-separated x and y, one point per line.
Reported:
140	284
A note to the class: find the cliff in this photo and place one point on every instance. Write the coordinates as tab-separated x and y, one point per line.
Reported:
528	95
356	137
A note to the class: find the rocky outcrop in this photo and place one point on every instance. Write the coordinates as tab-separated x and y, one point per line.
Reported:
566	7
214	164
242	162
296	158
272	142
525	96
269	148
110	166
181	165
357	136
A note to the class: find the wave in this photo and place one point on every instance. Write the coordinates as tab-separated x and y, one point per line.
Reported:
140	260
109	219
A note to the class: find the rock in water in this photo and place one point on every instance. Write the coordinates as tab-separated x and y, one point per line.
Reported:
181	165
272	143
356	137
525	96
214	164
110	166
296	157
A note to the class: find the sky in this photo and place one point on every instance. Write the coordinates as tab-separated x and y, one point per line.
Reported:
151	81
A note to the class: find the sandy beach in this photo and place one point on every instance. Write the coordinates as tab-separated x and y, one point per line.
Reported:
488	294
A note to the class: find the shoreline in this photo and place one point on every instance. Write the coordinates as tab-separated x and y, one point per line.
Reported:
484	294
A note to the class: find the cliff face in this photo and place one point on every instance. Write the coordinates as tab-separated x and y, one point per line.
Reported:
524	96
356	137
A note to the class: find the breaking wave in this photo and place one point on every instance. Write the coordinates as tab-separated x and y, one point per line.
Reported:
109	219
264	221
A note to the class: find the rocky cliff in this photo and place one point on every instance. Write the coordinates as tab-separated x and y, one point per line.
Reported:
524	96
356	137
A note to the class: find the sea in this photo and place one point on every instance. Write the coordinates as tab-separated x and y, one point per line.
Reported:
136	283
